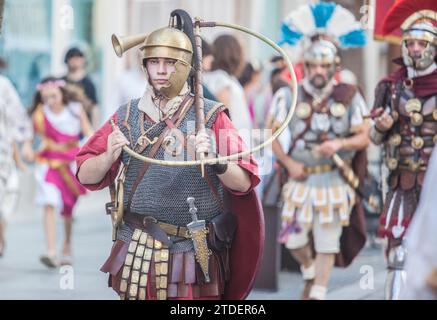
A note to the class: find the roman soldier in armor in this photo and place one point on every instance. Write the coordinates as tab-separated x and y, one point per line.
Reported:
322	216
178	237
405	113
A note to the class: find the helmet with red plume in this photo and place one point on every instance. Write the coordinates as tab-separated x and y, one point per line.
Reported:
418	21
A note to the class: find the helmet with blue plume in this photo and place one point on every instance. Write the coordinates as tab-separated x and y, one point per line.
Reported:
326	20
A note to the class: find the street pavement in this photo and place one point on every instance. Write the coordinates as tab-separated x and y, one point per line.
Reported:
22	276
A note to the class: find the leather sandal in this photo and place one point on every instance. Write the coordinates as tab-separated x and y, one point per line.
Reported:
48	261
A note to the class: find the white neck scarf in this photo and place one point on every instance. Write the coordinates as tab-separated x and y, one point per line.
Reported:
147	105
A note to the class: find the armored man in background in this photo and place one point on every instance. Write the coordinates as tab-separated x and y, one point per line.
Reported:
159	252
405	114
322	216
330	119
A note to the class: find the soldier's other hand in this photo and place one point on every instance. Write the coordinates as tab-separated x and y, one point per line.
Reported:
296	170
116	141
203	143
384	122
328	148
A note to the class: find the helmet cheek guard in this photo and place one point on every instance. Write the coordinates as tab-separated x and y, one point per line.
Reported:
177	80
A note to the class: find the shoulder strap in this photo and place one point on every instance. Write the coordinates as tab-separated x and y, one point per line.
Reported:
126	121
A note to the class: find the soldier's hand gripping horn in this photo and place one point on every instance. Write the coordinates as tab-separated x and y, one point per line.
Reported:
222	159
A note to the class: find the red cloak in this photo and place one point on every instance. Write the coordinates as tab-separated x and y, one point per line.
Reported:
247	247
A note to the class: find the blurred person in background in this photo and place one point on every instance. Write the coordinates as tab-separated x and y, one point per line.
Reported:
250	81
222	81
207	59
129	84
276	82
15	128
80	84
59	122
320	209
405	113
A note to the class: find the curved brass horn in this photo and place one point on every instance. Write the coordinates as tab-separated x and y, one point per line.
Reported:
239	155
122	44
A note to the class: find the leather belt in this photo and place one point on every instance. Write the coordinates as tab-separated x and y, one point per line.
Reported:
144	222
319	169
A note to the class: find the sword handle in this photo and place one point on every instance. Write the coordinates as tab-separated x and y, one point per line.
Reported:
346	171
193	209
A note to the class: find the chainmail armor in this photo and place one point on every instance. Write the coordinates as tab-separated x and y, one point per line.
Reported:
163	191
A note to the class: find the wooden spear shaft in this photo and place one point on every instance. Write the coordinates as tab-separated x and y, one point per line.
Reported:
199	103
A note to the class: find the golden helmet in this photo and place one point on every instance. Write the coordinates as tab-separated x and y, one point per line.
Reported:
168	43
174	44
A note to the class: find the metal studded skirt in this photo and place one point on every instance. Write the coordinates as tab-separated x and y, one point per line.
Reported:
144	269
